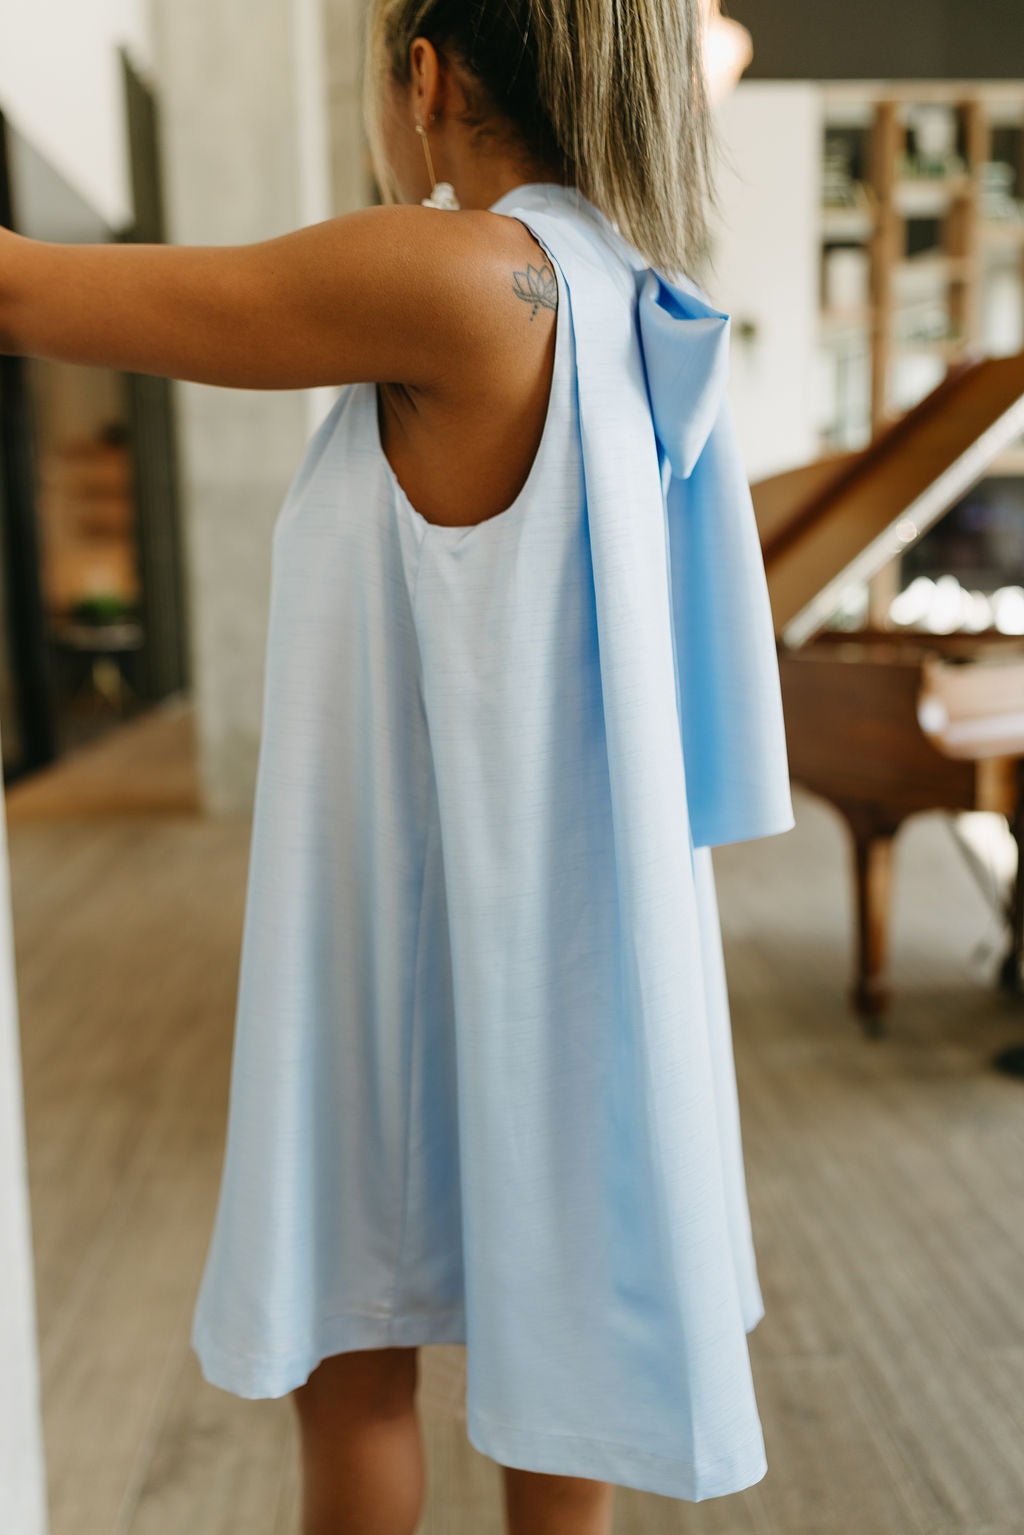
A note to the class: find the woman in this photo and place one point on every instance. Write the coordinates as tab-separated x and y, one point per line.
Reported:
520	678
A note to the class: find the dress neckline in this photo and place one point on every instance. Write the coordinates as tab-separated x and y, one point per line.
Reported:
537	194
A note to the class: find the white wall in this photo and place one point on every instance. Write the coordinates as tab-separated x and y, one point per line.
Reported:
22	1478
232	148
309	49
60	86
766	265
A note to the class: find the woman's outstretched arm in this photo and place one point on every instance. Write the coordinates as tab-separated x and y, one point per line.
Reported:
392	293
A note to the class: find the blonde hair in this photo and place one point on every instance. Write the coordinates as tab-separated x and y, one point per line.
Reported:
609	96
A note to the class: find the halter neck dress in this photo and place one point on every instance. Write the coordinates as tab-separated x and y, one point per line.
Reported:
482	1086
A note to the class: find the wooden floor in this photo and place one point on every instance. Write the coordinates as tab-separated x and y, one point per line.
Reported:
886	1183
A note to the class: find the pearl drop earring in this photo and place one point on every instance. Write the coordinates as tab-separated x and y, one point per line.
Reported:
442	193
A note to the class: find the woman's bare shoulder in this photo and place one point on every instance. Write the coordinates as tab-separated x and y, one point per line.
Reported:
518	257
512	292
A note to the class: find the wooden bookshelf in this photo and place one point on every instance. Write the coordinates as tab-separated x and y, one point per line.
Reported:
926	179
922	303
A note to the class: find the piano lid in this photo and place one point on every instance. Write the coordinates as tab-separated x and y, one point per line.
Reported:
843	517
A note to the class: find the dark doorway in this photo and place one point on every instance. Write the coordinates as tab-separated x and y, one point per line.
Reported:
92	626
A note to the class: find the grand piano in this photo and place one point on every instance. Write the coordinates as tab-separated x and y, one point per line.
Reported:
883	721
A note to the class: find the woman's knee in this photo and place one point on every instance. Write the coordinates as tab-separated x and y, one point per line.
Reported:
569	1502
359	1383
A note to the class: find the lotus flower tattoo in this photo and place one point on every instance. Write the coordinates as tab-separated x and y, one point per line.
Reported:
537	286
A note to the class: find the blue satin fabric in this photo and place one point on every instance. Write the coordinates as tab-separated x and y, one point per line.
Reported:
483	1088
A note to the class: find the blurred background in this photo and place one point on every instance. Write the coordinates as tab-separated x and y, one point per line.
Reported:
869	247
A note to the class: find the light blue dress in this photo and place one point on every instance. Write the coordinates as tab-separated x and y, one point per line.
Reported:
482	1088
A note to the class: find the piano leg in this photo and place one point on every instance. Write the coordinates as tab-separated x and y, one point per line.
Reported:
1010	1059
1011	970
873	831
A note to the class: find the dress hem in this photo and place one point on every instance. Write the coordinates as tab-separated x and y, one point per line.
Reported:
622	1464
273	1375
255	1376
